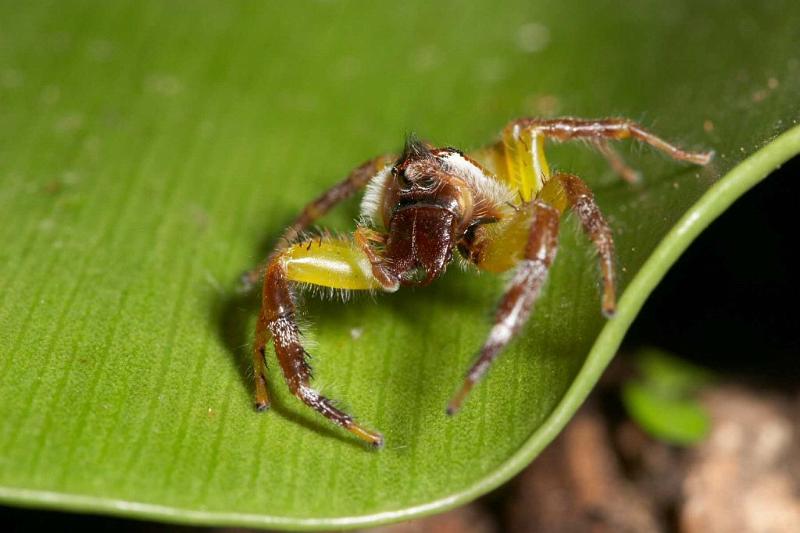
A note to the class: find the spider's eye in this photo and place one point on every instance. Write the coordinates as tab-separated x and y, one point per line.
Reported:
426	182
401	177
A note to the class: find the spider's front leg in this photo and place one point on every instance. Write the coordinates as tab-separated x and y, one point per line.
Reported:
517	303
355	181
327	262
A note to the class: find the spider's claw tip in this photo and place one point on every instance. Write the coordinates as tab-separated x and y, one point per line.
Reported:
455	404
609	312
703	158
262	406
378	442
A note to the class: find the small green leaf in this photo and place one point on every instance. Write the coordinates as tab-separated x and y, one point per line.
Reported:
669	374
662	399
669	418
152	151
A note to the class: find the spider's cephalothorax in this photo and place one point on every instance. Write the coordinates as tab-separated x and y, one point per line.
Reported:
421	209
425	207
499	208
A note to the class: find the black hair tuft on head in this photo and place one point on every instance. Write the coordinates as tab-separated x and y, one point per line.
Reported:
415	148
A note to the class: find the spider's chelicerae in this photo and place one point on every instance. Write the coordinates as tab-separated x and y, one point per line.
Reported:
499	207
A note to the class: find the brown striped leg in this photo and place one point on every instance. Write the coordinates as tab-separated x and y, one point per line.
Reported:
517	303
356	180
601	130
582	202
279	311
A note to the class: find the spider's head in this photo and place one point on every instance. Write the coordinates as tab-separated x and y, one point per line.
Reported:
424	208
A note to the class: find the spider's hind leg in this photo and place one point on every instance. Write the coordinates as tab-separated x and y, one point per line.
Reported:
519	161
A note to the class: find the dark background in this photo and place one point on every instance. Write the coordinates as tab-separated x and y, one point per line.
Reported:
731	301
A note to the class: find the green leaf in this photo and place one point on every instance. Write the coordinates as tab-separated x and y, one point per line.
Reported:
662	398
151	151
669	418
670	374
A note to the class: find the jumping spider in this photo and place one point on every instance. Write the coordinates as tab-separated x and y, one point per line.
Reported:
499	207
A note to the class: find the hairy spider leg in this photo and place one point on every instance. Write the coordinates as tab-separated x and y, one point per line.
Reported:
569	191
355	181
517	303
518	159
337	263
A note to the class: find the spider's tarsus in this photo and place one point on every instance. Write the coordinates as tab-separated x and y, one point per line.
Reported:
609	307
373	438
703	158
455	403
698	158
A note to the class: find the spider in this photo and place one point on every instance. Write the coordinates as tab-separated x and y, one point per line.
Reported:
499	207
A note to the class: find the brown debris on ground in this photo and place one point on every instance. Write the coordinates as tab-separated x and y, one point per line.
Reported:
744	476
577	485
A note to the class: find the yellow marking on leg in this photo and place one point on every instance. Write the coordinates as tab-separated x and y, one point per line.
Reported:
553	194
541	170
518	160
335	263
505	242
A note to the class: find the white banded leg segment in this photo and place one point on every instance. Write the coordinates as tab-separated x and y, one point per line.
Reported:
518	301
